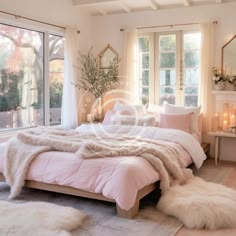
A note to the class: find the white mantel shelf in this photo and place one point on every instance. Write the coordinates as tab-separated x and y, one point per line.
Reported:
223	92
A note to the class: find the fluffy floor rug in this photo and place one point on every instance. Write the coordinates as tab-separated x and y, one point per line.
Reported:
37	219
200	204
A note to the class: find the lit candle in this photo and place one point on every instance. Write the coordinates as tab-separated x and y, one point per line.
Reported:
232	120
225	125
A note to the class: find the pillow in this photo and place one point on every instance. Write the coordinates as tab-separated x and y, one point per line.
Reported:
176	121
173	109
154	108
108	117
129	109
133	120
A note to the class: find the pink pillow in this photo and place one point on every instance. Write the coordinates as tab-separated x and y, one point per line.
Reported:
176	121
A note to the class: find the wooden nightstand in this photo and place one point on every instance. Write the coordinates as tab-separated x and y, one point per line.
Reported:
217	136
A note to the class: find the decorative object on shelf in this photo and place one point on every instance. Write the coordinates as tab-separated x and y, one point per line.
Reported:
106	57
225	121
96	80
218	79
231	83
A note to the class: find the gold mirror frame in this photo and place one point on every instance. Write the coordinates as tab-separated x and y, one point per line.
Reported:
224	67
106	56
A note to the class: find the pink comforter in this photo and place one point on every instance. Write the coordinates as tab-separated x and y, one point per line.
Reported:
117	178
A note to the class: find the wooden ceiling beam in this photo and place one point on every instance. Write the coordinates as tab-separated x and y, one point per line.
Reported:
154	5
125	7
187	3
85	3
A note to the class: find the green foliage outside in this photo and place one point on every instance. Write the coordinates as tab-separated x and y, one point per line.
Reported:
56	89
9	92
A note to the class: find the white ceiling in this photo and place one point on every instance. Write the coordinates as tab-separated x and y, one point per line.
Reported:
106	7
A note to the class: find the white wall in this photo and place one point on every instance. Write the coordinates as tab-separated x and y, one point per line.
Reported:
60	12
106	29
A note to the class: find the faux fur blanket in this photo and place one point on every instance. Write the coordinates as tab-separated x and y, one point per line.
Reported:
23	148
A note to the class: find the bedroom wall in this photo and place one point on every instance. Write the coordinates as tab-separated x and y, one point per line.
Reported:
106	29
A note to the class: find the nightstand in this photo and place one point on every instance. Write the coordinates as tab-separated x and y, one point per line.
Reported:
217	136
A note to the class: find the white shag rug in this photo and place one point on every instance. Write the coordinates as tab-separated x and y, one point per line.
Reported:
38	219
200	204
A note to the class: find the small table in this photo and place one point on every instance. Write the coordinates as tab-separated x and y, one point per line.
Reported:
217	136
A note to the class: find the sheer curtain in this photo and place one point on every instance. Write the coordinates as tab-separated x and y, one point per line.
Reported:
206	97
130	64
69	114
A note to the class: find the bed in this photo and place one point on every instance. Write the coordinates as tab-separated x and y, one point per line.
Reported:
123	180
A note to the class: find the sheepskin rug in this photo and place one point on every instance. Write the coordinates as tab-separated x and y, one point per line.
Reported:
200	204
37	219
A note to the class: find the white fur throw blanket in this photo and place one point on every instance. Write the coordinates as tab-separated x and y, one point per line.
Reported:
23	148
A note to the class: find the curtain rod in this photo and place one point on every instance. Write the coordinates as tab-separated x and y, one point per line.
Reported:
161	26
30	19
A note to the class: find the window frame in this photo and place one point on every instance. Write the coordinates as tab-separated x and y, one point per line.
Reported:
46	81
154	64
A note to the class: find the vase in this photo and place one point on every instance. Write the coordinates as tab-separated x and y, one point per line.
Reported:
220	86
229	87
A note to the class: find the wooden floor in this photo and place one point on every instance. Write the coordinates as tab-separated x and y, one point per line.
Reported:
228	178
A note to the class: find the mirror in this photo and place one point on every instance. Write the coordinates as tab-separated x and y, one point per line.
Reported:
106	57
229	57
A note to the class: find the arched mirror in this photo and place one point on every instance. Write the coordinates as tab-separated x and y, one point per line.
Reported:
229	57
106	57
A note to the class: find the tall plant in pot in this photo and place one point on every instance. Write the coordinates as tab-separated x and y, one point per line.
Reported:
95	80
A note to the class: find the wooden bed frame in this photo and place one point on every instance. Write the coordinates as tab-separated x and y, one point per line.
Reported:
132	213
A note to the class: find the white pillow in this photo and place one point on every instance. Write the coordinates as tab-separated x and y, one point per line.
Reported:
173	109
138	110
133	120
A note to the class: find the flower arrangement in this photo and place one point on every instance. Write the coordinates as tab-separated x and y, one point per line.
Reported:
218	76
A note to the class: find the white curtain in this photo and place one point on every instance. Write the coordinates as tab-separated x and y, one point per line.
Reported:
130	66
69	114
206	97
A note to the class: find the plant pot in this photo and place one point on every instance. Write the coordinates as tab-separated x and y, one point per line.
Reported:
220	86
229	87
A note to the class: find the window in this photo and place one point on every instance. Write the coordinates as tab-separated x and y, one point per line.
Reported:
176	72
23	82
56	76
144	68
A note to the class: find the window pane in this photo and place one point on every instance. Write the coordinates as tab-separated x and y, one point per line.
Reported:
167	60
168	98
192	41
143	44
167	77
145	61
21	77
191	59
144	68
56	76
191	101
167	43
145	78
192	44
191	76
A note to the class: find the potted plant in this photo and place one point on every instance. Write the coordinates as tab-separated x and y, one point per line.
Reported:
231	82
95	80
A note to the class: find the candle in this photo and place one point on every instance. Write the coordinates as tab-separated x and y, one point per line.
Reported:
232	120
225	125
89	117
